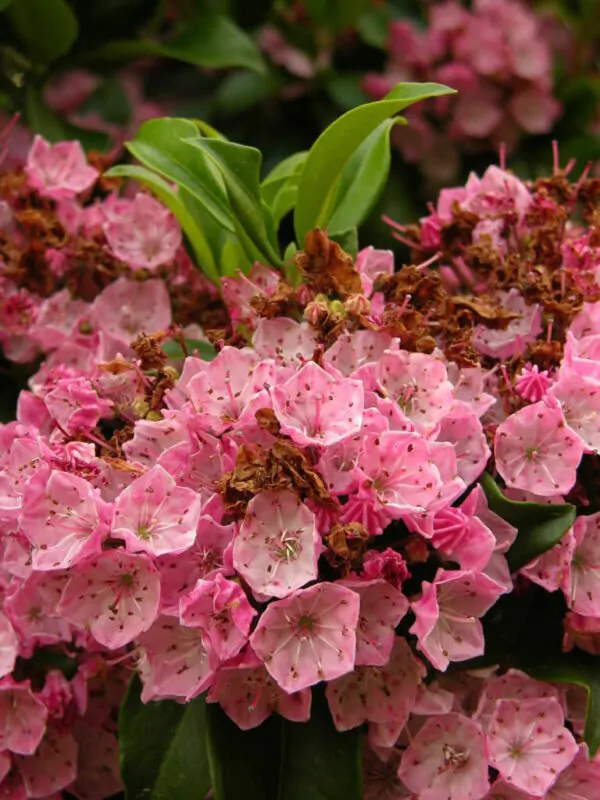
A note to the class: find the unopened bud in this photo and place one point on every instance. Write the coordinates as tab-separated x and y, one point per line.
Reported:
154	416
171	372
316	313
140	407
358	305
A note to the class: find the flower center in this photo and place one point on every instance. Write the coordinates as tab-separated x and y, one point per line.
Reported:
305	625
455	756
288	547
531	454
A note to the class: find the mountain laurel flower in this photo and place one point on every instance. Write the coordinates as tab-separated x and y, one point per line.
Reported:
59	170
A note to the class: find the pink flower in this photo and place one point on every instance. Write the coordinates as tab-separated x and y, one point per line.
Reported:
205	559
52	767
75	405
127	308
579	781
383	694
64	518
9	646
371	264
465	432
145	235
579	398
32	609
583	594
448	611
387	564
536	451
277	547
290	343
447	760
309	636
513	685
419	383
512	340
176	662
353	350
532	384
239	291
248	695
582	632
381	609
535	110
59	170
398	468
528	744
315	408
22	718
153	515
115	595
552	569
222	610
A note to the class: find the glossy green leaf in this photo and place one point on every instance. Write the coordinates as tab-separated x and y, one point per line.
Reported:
242	90
162	747
290	167
336	145
244	765
319	763
173	202
347	240
47	28
208	130
540	525
202	349
209	40
44	121
363	179
240	168
579	669
159	145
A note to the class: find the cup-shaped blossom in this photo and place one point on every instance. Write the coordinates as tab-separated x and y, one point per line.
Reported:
579	781
153	515
290	343
536	451
384	695
277	547
58	170
314	408
8	646
419	384
115	596
382	606
248	695
52	767
221	608
145	235
528	743
464	430
398	468
175	661
447	615
22	718
447	760
583	591
64	518
579	398
309	636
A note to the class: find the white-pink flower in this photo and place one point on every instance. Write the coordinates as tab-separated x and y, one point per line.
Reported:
583	589
22	718
528	743
309	636
153	515
277	547
115	596
60	170
536	451
447	760
221	609
316	409
145	235
447	615
9	646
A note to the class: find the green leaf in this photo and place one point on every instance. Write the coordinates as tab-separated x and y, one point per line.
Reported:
159	145
55	129
47	28
240	91
540	525
374	25
336	15
363	179
336	145
240	168
319	762
209	40
162	748
4	4
579	669
345	89
204	350
290	167
173	202
244	765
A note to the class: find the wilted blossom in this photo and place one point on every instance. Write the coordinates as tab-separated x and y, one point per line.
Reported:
311	506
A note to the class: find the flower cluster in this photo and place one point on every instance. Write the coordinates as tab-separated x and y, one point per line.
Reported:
304	508
495	55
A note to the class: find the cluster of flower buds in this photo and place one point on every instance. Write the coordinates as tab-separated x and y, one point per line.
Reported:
496	55
304	508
